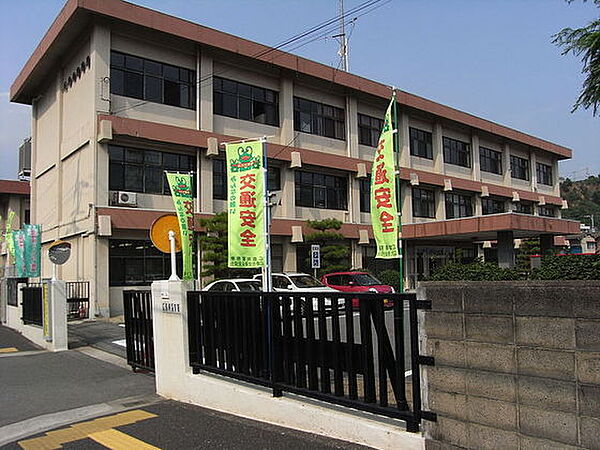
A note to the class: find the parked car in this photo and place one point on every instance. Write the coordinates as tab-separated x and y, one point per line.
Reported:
302	282
235	285
357	282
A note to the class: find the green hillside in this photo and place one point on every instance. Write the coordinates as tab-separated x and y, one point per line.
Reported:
584	199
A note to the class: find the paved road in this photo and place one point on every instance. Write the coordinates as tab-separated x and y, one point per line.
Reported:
106	336
11	341
173	425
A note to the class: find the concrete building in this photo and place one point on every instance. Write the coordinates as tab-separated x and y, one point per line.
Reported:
120	92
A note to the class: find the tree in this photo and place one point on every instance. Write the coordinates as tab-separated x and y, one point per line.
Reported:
334	249
584	42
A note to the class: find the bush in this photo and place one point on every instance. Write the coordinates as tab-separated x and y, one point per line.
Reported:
477	271
391	278
568	267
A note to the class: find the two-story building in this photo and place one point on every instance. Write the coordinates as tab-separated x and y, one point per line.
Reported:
120	93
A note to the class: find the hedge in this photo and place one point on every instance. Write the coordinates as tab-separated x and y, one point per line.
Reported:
568	267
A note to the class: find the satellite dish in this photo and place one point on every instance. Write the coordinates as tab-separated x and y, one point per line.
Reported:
159	233
59	252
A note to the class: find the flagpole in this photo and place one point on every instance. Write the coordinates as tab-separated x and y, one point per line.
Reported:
267	222
398	191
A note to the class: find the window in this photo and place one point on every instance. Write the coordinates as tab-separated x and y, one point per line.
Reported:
591	247
318	118
317	190
138	263
365	194
136	170
457	152
423	202
490	205
132	76
420	143
219	175
519	168
246	102
490	160
369	130
546	211
544	174
523	208
458	205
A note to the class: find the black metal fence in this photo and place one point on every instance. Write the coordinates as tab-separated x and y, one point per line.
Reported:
32	304
137	307
78	300
316	345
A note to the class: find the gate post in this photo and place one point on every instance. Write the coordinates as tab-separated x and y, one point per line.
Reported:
57	314
170	329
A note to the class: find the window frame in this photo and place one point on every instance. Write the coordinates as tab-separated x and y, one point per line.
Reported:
315	115
372	129
364	186
544	174
331	187
488	158
494	201
420	143
185	84
457	152
523	208
219	177
246	94
546	211
458	202
520	168
421	206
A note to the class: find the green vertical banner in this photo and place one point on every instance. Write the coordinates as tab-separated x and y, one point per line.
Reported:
8	234
33	249
245	204
181	191
18	238
384	207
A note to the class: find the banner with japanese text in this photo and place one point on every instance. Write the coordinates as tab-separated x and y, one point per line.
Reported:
18	238
33	249
245	204
183	199
8	234
384	208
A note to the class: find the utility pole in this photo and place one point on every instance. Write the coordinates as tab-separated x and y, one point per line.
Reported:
342	38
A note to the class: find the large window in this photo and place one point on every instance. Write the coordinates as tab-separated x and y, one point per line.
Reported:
318	118
220	179
458	205
317	190
132	76
457	152
423	202
546	211
544	174
491	205
523	207
369	129
490	160
136	170
243	101
420	143
365	194
519	168
138	262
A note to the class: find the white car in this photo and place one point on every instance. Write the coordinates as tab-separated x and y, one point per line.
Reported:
235	285
302	282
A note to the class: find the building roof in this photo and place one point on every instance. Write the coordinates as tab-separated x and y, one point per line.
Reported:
77	14
14	187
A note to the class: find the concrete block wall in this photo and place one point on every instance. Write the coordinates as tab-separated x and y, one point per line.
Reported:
517	364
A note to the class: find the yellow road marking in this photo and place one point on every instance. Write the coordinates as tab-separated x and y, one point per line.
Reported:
8	350
55	439
115	440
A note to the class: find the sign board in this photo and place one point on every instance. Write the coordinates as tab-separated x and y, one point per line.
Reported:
315	256
59	252
159	233
171	307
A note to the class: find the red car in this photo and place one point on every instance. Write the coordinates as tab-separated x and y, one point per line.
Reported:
357	282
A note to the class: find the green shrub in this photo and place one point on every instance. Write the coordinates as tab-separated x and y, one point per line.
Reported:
568	267
390	277
477	271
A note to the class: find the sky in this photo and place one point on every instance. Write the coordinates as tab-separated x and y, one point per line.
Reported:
490	58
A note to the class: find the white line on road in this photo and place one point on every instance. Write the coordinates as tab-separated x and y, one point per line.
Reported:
121	342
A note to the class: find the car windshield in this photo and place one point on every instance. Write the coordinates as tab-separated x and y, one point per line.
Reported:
246	286
364	279
305	281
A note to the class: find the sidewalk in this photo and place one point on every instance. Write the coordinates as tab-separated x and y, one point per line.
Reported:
11	341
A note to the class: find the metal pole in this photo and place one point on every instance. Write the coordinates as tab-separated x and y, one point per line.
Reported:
267	222
173	276
398	191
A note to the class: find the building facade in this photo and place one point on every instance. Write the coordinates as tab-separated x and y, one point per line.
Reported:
120	93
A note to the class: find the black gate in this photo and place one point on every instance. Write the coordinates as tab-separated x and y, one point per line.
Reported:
32	304
78	300
349	349
137	307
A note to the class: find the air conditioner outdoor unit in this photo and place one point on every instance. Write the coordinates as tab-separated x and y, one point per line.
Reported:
123	198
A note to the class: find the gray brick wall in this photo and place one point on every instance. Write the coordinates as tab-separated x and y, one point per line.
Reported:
517	364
